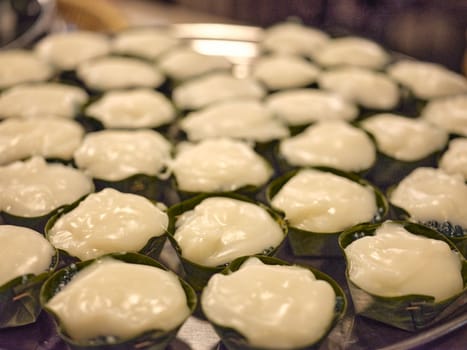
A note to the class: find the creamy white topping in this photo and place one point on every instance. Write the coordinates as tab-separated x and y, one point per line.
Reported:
214	87
404	138
273	306
428	80
66	50
284	71
245	119
432	194
323	202
140	108
22	66
218	165
42	100
34	188
47	137
107	73
293	38
184	63
454	160
332	143
148	43
117	299
304	106
106	222
449	113
395	262
365	87
26	252
115	155
220	229
352	51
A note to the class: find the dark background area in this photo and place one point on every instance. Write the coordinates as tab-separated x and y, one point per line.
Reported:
431	30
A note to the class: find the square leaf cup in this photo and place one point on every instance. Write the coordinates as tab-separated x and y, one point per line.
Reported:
152	248
319	244
234	340
455	233
198	275
409	312
149	340
19	298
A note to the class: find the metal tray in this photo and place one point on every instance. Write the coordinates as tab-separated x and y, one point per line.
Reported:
240	45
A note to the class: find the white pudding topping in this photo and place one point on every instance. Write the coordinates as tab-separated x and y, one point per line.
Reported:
449	113
273	306
428	80
148	43
220	229
214	87
304	106
351	51
67	49
140	108
431	194
323	202
365	87
215	165
107	73
115	155
26	252
395	262
332	143
404	138
117	299
22	66
454	160
46	137
34	188
184	63
284	71
293	38
244	119
106	222
42	100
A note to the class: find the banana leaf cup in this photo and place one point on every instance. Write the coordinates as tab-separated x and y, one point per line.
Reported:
455	233
251	191
151	187
409	312
319	244
389	171
234	340
152	248
19	297
36	223
149	340
196	274
284	166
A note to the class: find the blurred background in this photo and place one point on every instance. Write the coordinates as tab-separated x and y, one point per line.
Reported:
431	30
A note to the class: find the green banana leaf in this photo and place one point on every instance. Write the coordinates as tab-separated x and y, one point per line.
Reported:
198	275
233	340
409	312
19	298
317	244
455	233
389	171
150	340
144	185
